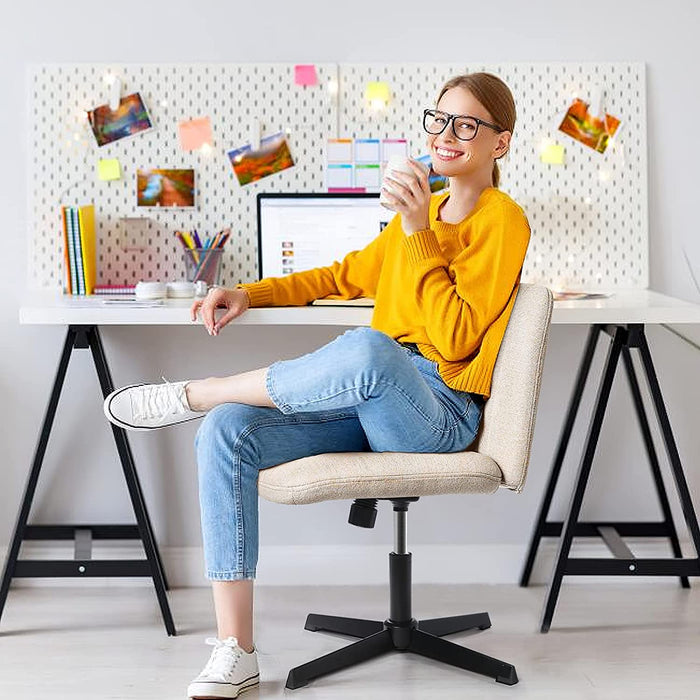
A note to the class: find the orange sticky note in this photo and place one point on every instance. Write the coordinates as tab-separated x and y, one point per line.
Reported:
305	75
195	133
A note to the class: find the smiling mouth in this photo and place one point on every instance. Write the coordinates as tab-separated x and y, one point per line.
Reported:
447	154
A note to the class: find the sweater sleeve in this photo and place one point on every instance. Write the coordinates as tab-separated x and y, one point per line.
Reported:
356	275
457	312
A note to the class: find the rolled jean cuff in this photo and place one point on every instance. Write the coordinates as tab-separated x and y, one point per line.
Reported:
230	575
272	391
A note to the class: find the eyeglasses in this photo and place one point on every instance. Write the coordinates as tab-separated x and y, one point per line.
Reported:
464	127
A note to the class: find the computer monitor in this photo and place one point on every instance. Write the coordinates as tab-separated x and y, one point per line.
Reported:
298	232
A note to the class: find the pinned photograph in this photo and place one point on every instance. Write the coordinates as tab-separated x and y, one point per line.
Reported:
129	119
272	157
165	188
590	130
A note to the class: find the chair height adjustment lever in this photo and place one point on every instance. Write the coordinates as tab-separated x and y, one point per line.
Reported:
363	512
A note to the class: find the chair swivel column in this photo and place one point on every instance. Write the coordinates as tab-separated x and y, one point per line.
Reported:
400	621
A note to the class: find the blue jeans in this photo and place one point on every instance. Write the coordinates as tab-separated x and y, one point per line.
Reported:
361	392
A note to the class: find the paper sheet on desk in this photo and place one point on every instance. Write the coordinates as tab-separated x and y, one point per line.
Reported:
569	296
132	303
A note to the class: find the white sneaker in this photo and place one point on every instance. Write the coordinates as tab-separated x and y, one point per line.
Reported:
149	406
228	672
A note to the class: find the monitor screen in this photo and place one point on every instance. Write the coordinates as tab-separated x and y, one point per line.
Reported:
298	232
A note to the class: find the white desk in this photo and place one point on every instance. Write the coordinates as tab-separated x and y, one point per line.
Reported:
634	306
622	317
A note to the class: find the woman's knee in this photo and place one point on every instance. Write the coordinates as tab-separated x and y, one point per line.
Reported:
222	425
373	349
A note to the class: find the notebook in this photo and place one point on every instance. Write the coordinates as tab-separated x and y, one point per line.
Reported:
361	301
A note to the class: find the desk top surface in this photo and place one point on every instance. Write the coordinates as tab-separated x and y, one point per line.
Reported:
624	306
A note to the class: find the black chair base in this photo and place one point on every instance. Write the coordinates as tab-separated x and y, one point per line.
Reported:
400	632
422	638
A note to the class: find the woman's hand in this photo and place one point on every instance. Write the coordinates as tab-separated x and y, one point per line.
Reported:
235	301
411	198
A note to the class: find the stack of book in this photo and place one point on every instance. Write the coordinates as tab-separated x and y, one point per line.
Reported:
79	252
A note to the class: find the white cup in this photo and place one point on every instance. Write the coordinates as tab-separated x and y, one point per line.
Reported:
181	289
151	290
397	164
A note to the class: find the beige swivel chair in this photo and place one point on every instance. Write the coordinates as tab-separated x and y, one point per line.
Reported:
498	458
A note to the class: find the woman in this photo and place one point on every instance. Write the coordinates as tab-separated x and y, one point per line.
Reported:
444	274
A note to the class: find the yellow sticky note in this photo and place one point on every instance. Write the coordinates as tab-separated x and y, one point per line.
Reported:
377	94
109	169
195	133
553	154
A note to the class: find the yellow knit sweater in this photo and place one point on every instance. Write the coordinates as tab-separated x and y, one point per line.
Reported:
450	288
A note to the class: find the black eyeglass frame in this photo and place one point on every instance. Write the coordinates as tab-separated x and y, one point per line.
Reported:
451	120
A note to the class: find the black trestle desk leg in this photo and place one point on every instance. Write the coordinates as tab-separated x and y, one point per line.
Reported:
107	386
670	443
653	459
33	478
567	535
132	480
84	337
579	385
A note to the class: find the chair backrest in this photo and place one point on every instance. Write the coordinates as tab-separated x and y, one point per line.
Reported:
508	421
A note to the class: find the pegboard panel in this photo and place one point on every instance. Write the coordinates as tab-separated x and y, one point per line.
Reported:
136	244
588	217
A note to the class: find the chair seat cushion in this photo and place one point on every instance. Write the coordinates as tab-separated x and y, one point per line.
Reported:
349	475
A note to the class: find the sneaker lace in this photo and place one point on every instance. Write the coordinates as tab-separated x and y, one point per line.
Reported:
158	401
224	657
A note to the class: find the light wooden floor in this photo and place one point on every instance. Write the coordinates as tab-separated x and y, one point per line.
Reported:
608	641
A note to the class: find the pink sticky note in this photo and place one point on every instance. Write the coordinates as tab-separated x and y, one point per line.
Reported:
195	133
305	75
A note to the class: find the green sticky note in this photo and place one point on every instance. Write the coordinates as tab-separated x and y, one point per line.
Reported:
553	154
109	169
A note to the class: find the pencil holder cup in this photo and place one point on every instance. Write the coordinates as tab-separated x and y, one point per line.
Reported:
203	264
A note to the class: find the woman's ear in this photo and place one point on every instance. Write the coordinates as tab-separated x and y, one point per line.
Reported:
502	145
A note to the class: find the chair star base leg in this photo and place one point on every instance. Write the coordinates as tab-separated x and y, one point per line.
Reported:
367	648
349	626
422	638
450	653
441	626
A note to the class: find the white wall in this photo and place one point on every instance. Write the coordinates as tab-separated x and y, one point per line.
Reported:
82	479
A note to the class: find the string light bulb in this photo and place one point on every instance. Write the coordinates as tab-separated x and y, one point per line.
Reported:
377	94
544	143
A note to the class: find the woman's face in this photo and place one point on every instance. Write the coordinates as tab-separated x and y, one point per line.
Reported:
453	157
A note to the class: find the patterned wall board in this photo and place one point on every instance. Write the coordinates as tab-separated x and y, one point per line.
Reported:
589	229
134	244
589	217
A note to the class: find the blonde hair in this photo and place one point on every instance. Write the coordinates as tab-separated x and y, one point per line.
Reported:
496	98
